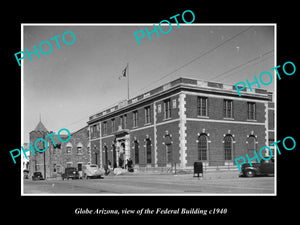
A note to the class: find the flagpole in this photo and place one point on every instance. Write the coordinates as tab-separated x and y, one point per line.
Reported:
127	81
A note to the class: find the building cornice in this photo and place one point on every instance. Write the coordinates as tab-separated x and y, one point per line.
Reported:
186	84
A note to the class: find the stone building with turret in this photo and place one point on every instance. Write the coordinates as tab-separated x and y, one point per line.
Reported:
53	161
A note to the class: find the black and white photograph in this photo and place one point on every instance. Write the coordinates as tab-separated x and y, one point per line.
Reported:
165	114
172	113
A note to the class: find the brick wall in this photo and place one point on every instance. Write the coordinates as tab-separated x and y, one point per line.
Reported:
172	129
36	163
216	132
214	124
215	108
140	136
56	158
108	142
160	108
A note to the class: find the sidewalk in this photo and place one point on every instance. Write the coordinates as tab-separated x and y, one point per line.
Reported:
209	175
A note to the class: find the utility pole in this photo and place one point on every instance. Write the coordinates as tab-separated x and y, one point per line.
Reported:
45	175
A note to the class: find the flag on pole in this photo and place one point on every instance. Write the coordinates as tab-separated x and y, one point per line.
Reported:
124	72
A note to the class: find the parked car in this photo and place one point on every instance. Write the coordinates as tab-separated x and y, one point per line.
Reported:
92	171
264	168
26	174
70	172
37	176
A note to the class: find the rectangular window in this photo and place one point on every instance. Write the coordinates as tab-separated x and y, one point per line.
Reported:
91	131
79	150
174	104
121	122
79	166
135	118
124	122
147	115
202	106
113	125
69	149
251	111
94	130
105	128
167	109
159	108
228	110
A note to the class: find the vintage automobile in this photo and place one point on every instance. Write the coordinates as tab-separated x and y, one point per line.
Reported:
26	174
37	176
70	172
92	171
264	168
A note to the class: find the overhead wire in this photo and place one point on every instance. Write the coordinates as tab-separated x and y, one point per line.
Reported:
243	64
193	60
198	57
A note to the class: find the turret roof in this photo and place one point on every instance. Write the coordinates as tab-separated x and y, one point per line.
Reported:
40	127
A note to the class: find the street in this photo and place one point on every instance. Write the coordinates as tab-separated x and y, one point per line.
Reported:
212	183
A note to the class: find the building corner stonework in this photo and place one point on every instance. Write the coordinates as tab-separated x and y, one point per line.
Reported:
182	130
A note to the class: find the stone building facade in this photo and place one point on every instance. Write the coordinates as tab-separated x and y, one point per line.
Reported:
54	160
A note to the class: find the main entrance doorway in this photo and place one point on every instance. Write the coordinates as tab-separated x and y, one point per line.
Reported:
122	150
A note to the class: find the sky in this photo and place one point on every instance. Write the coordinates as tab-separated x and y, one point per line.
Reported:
70	84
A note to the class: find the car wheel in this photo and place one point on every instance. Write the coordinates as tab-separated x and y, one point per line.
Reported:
250	173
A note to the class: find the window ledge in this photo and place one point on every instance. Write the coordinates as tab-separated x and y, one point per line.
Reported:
250	120
205	117
228	118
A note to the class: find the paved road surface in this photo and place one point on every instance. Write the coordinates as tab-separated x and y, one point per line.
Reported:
218	182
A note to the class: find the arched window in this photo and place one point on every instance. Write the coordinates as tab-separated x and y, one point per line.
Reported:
148	150
136	152
105	155
168	155
202	147
228	146
114	156
251	143
79	148
69	148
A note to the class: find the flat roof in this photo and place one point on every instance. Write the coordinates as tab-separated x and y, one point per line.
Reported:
193	84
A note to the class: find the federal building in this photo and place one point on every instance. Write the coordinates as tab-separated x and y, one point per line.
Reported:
173	125
180	122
